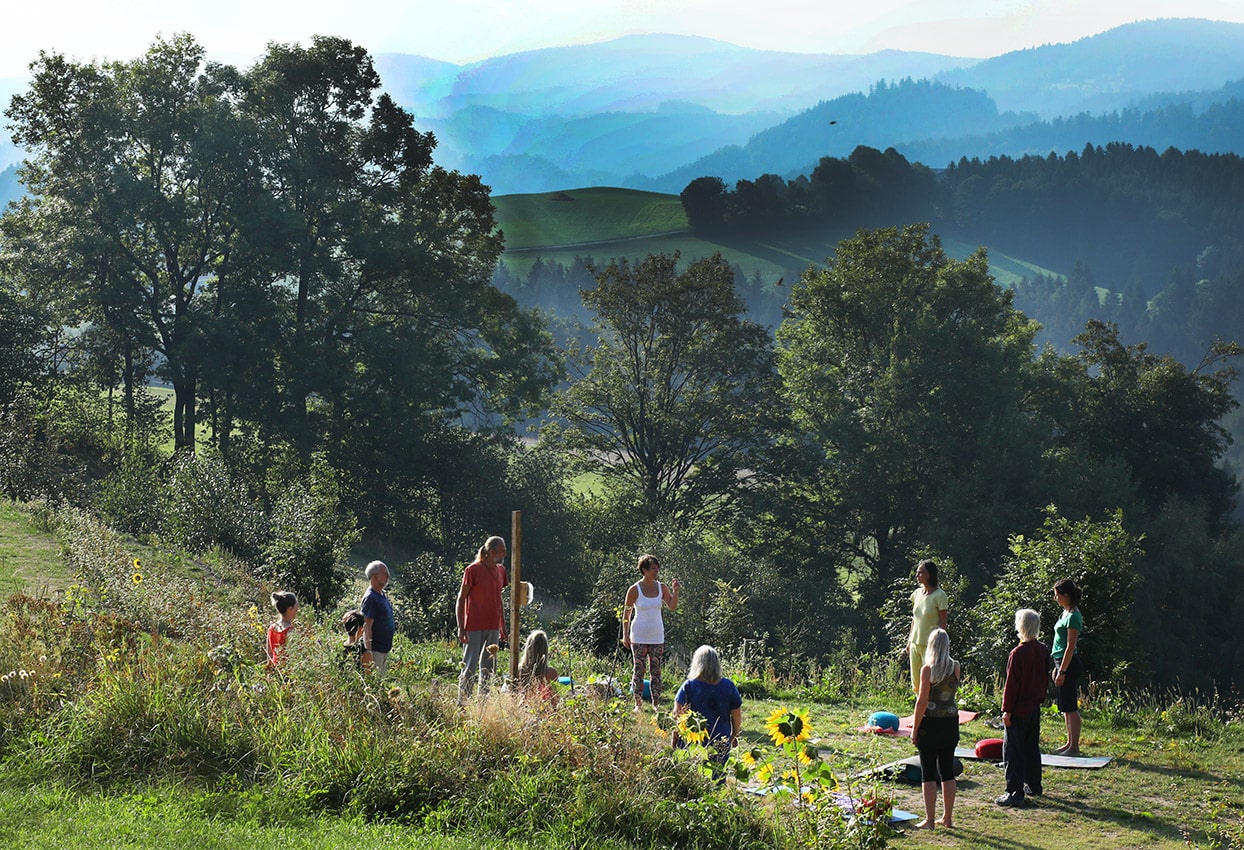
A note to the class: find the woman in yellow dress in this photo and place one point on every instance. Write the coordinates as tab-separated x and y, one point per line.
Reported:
929	607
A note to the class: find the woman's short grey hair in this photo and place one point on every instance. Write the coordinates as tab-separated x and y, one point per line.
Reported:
1027	624
373	568
705	665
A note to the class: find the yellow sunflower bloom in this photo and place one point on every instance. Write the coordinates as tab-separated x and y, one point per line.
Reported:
764	773
692	728
750	758
138	578
788	725
138	565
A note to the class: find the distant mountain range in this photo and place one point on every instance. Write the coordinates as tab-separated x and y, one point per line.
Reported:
656	111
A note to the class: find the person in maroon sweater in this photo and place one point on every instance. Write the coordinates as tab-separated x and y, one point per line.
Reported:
1027	671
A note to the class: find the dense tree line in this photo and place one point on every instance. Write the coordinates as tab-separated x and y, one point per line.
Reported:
1139	213
868	188
1211	122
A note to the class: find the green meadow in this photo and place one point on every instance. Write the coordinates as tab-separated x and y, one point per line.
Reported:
142	723
606	223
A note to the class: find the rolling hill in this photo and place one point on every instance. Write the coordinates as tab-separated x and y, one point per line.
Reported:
655	111
614	223
1111	70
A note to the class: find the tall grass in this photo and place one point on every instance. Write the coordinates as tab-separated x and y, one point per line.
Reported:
140	679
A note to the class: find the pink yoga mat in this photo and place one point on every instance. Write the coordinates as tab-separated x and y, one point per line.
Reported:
904	724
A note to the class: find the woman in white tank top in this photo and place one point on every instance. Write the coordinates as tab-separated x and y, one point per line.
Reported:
643	630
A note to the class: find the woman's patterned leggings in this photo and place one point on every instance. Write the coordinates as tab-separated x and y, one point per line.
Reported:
655	654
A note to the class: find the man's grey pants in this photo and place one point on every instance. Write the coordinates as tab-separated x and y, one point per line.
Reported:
475	658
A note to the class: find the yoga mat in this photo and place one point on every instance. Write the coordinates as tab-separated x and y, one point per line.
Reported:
1080	762
904	724
1052	760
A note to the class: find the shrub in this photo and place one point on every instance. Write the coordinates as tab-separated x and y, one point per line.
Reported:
207	507
1099	556
131	497
311	538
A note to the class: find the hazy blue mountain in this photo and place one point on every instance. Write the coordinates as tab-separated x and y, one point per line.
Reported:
523	173
1198	101
611	144
638	73
416	82
1111	70
10	188
1215	128
887	116
639	105
626	110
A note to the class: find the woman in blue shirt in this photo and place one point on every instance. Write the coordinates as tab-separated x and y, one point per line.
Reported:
714	697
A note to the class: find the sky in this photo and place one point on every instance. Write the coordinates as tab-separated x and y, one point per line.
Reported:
463	31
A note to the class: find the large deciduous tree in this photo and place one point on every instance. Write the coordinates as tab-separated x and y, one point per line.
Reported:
135	173
676	389
905	371
1155	415
281	236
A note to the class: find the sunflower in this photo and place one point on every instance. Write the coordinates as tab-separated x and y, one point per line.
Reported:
138	565
138	578
692	728
807	754
751	758
764	773
786	726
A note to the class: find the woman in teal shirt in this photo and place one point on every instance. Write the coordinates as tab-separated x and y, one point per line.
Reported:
1067	666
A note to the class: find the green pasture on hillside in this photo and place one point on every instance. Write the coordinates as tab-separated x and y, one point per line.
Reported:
606	224
584	216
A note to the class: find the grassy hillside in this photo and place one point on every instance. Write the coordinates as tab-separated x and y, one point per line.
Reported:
30	560
606	223
585	216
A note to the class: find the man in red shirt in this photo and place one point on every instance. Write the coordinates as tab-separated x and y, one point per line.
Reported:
481	618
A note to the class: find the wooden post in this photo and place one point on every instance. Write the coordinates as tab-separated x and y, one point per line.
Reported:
516	576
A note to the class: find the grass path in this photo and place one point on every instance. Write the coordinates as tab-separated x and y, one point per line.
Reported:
30	561
54	817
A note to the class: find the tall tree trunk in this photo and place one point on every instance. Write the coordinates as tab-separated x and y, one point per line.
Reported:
184	416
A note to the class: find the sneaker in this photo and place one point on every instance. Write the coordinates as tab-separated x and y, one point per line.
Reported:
1013	800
